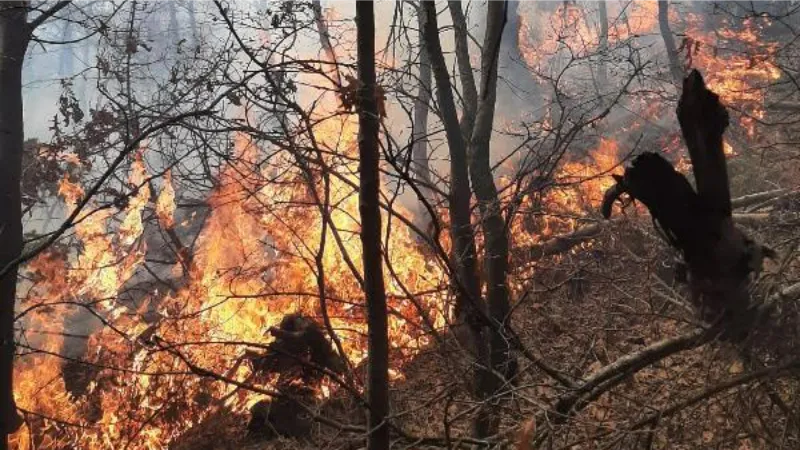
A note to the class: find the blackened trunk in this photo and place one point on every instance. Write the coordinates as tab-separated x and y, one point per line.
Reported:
378	340
719	257
325	39
173	32
193	23
495	259
66	68
510	41
14	41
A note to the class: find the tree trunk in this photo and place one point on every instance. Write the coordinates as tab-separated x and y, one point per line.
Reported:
420	166
462	235
510	41
325	39
602	70
66	68
369	208
14	35
193	23
719	257
469	93
669	42
173	31
495	259
469	306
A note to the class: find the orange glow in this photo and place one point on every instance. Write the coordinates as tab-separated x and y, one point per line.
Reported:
165	205
253	262
281	235
739	77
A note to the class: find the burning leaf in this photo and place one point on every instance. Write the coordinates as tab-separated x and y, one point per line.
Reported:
165	204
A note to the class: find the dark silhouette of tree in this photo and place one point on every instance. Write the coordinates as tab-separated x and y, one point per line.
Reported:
15	34
369	208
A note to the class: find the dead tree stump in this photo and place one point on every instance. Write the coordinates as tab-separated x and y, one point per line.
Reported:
719	258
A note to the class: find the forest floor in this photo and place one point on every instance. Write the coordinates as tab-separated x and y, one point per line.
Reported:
580	311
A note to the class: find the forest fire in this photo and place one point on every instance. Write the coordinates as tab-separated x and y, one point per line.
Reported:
252	265
156	310
739	62
740	65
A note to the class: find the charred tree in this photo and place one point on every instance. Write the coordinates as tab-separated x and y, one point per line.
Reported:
325	39
193	23
299	350
66	66
510	41
369	209
173	32
719	257
282	416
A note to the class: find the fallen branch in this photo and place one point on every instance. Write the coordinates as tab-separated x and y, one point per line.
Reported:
652	419
752	199
608	377
751	219
565	242
626	366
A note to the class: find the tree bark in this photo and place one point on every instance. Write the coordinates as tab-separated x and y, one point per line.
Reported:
369	208
66	68
469	307
463	238
14	36
420	166
193	23
325	39
469	93
669	42
602	70
718	255
496	257
510	41
173	31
